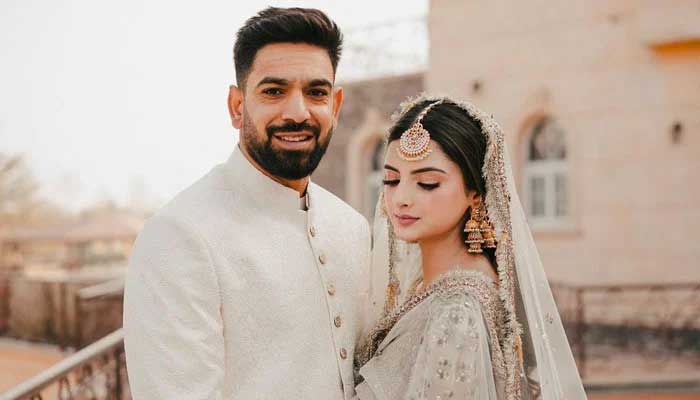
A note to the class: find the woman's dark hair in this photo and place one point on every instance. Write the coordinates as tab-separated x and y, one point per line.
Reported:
285	25
459	136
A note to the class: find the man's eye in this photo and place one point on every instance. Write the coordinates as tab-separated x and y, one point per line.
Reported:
273	91
428	186
318	93
390	182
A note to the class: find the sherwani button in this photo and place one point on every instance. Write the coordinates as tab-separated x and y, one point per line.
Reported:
338	321
312	231
322	258
343	353
331	289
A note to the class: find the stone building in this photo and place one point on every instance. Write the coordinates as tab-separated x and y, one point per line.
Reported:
96	239
600	103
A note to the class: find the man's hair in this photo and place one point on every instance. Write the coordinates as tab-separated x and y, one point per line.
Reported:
284	25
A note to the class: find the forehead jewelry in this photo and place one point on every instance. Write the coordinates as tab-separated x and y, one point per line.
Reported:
414	144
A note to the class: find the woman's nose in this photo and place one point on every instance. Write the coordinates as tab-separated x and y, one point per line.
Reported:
402	196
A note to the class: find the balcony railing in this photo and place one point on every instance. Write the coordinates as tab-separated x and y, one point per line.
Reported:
633	334
97	372
620	335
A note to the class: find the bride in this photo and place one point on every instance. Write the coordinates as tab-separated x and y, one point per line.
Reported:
467	312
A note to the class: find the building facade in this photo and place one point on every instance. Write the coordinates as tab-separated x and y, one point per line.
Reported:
600	102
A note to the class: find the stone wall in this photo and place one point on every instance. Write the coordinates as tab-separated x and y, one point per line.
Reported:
623	80
47	308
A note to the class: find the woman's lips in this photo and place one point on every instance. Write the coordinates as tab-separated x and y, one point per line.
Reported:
406	220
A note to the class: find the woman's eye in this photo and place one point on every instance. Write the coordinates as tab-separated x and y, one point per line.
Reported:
390	182
428	186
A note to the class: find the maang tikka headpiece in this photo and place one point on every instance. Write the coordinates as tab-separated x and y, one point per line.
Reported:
414	144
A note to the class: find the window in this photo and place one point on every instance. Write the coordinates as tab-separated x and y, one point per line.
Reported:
546	175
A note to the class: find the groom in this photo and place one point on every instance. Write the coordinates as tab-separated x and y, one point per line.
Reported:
250	283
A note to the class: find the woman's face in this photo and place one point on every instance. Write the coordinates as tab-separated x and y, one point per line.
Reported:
425	199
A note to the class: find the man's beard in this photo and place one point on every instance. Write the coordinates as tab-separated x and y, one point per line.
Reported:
285	164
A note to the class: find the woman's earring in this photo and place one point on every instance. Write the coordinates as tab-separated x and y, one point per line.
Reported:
487	231
472	228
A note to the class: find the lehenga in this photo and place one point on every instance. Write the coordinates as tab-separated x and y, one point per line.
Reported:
442	343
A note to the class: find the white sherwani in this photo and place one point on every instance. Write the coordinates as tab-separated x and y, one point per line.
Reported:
234	292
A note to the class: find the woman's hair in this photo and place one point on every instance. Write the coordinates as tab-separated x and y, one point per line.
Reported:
459	136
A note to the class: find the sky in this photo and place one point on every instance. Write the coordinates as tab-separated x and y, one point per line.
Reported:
126	100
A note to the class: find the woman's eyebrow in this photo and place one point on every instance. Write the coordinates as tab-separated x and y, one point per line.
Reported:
417	171
427	169
387	166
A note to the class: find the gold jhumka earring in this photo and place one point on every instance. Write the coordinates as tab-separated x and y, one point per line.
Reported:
472	228
487	232
480	231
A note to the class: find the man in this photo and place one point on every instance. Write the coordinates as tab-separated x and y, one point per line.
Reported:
250	283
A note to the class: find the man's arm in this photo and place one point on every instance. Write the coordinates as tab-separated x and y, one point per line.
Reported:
172	320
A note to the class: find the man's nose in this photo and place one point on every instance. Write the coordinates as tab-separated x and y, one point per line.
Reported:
296	109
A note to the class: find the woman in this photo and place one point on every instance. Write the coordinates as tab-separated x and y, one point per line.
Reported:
467	310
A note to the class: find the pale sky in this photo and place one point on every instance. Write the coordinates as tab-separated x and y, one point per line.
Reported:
107	98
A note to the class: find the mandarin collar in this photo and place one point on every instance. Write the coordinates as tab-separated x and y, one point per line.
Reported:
263	190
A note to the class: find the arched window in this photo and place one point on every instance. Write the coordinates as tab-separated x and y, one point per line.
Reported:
546	175
373	179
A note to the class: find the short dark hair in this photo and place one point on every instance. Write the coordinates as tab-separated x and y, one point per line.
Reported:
285	25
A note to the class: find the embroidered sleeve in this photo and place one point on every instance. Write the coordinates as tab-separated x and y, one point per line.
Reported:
453	359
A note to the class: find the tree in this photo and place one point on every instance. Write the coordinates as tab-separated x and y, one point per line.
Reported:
18	188
20	202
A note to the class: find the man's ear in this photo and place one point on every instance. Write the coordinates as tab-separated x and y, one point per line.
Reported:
337	102
235	106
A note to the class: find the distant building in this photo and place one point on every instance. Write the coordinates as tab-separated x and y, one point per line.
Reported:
97	239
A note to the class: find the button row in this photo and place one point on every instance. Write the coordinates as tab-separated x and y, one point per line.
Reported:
337	321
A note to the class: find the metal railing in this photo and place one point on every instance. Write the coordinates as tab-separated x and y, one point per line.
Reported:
97	372
629	334
619	334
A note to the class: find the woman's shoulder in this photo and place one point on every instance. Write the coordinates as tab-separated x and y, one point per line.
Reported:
460	292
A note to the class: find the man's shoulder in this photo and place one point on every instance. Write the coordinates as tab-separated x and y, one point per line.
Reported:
191	207
196	200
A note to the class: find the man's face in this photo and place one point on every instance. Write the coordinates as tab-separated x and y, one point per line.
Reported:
288	110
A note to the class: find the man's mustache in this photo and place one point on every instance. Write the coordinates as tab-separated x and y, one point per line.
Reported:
294	127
